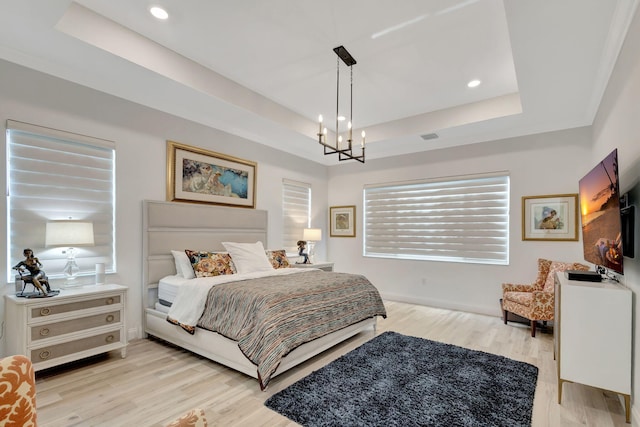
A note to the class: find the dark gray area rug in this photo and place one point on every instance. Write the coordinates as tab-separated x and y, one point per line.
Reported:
397	380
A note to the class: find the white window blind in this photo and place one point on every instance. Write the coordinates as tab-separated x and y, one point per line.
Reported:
56	175
462	219
296	210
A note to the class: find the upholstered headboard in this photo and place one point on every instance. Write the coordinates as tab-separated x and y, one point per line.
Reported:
179	226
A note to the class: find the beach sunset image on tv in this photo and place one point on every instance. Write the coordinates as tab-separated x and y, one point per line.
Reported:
600	214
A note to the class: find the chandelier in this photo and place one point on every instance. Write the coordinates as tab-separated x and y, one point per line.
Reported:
344	149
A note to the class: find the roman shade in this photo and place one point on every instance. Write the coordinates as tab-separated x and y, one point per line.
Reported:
55	175
460	219
296	209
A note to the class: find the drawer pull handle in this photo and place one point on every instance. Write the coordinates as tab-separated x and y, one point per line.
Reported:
110	318
110	338
45	311
44	355
110	301
44	332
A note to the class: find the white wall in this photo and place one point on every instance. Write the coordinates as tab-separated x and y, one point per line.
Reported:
140	134
617	125
542	164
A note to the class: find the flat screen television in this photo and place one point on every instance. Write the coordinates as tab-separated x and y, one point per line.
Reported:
600	215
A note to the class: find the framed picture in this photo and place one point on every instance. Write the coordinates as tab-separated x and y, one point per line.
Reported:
203	176
342	221
553	217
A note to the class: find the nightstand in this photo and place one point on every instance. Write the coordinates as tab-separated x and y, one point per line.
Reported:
326	266
77	323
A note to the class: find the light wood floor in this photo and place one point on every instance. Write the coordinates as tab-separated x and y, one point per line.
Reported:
157	382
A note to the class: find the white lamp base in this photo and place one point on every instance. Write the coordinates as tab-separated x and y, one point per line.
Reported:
71	270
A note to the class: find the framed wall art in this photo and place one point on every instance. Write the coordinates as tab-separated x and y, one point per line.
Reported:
342	220
553	217
202	176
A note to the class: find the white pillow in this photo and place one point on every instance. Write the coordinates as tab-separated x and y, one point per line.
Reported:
248	257
183	265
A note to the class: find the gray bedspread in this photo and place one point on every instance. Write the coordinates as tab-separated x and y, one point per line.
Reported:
271	316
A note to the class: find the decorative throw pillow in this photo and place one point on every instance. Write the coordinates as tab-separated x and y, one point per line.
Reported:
209	264
17	391
183	265
193	418
278	259
248	257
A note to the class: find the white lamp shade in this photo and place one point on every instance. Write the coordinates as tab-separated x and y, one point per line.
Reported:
312	234
69	233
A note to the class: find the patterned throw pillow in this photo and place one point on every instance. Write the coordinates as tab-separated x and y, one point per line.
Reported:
278	259
209	264
17	392
193	418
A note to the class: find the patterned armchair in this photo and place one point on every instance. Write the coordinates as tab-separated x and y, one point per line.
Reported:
17	392
535	301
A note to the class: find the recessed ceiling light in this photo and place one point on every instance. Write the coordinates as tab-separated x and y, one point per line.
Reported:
342	118
159	12
474	83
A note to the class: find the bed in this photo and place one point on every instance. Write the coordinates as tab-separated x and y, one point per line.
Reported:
171	226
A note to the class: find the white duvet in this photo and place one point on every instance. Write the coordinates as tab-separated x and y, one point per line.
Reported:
189	303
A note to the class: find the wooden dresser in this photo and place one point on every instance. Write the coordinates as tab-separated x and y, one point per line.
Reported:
77	323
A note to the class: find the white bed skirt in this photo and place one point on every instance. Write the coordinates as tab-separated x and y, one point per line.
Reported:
225	351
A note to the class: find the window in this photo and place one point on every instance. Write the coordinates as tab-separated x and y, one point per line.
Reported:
296	212
464	219
55	175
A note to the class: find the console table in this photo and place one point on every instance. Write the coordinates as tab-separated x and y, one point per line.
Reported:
592	339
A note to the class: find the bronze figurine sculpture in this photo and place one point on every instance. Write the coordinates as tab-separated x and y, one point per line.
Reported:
36	275
301	247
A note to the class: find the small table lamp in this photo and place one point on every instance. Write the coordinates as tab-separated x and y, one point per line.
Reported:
311	236
69	234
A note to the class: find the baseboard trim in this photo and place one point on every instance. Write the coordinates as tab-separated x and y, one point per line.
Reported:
487	311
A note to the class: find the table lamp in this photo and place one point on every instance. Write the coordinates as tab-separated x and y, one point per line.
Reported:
69	234
311	236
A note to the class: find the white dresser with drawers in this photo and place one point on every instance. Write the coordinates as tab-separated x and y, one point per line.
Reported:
78	323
